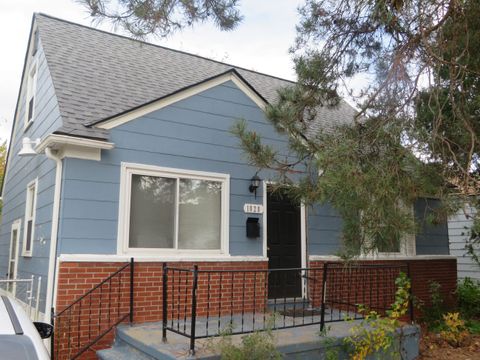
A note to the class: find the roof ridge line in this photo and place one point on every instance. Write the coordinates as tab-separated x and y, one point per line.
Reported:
161	46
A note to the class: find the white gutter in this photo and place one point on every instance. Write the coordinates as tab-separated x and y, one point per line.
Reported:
54	233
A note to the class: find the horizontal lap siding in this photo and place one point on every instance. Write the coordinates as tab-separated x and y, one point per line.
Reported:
192	134
324	230
21	171
458	230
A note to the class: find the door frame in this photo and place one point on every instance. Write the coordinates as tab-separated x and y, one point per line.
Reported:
303	229
16	225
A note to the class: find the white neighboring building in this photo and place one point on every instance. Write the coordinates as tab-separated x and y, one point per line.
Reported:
458	233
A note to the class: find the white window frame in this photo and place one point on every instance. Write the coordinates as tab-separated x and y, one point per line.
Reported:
16	226
31	87
30	201
129	169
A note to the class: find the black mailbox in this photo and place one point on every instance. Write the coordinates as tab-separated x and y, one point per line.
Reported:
253	228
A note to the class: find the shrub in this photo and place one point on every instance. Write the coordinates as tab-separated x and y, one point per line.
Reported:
259	345
432	315
455	332
377	334
468	293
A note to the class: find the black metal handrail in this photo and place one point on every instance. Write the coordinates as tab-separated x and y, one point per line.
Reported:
197	302
96	310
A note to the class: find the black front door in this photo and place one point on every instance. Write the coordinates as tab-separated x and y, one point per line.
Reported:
283	246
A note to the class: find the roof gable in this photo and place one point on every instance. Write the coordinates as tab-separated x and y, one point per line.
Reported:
157	104
98	75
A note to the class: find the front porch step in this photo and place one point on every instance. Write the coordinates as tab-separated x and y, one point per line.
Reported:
122	351
144	342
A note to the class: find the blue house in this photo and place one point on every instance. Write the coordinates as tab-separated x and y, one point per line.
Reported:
124	149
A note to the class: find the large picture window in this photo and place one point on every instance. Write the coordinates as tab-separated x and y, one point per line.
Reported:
172	210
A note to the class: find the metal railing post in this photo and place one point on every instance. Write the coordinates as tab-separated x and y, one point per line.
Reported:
132	274
194	310
410	300
324	294
164	301
52	338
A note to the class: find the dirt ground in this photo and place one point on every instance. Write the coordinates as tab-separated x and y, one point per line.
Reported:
433	347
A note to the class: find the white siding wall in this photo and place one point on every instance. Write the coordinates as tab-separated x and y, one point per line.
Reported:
458	233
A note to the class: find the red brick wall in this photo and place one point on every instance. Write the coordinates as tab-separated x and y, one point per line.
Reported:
374	287
228	292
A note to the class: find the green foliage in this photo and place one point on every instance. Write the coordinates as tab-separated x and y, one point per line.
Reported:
410	138
468	297
256	346
473	326
376	334
163	17
432	315
455	332
259	345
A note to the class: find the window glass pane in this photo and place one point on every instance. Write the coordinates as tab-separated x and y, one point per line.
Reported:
31	199
28	244
199	214
14	244
152	212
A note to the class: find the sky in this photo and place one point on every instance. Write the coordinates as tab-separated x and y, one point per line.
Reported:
260	42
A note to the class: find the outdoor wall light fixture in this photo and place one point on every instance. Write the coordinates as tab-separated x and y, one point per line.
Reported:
254	184
27	149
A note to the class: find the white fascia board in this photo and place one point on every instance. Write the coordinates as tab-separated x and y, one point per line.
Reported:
181	95
74	147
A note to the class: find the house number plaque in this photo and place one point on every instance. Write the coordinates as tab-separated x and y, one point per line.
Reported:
253	208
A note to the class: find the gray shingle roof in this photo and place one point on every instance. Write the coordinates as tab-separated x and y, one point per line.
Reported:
97	75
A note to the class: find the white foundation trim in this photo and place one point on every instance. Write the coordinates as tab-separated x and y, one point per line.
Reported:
181	95
392	257
144	258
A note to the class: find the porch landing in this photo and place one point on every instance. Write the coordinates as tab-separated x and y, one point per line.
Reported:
144	342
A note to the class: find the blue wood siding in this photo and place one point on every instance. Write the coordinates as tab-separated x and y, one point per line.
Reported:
431	239
193	134
21	171
325	230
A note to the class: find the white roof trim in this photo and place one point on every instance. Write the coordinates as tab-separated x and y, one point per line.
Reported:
181	95
56	141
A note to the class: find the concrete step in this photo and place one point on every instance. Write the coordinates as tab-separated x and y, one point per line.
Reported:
122	351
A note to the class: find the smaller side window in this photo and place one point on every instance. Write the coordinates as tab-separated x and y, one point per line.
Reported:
30	209
30	98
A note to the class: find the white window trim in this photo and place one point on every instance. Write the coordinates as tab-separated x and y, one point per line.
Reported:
29	91
128	169
16	225
28	201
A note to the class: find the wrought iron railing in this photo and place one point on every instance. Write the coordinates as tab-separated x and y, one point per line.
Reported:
86	321
206	303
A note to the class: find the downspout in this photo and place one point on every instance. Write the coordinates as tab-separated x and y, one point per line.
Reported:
52	261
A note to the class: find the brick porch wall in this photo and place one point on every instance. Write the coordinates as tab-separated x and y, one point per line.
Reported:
227	293
377	290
